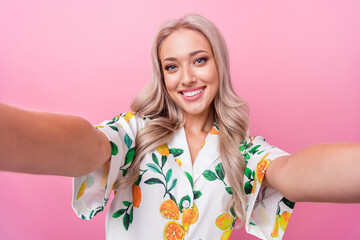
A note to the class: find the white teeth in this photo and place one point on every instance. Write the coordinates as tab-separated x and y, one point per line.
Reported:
190	94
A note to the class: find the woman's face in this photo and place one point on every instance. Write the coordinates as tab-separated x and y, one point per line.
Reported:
190	71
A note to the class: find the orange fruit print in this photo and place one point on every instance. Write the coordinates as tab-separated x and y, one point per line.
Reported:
163	150
261	168
136	192
214	131
170	210
224	221
173	231
189	217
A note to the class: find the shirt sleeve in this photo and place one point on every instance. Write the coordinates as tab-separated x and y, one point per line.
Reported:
91	192
267	210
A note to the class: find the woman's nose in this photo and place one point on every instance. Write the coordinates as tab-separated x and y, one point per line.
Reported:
188	77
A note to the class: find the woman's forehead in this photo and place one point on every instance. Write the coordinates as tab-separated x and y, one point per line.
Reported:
183	42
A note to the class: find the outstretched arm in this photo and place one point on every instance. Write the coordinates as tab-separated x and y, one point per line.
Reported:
47	143
319	173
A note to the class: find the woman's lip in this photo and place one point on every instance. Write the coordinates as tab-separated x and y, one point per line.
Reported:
192	89
194	97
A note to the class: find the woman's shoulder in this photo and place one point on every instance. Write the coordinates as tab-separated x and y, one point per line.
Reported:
123	119
123	123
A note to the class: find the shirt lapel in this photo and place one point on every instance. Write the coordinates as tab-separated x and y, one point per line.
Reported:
208	154
180	150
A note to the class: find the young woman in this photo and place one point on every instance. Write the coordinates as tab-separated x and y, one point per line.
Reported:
183	166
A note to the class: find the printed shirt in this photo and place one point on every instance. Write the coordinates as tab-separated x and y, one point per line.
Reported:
174	199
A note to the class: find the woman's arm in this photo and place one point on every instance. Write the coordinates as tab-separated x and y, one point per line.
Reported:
47	143
319	173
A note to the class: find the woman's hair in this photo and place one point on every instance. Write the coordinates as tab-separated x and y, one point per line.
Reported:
230	112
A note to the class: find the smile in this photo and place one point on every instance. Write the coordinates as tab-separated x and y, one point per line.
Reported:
193	93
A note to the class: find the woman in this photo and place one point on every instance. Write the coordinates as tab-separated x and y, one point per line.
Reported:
186	177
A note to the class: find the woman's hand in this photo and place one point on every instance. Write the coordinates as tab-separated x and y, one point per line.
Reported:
319	173
47	143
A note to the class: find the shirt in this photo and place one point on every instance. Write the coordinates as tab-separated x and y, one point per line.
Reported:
174	199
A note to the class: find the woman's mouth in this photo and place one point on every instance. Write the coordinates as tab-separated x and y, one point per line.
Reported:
192	94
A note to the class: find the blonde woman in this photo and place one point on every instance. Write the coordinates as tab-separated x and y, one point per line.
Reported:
183	166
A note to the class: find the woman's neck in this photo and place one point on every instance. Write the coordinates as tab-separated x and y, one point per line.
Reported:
200	123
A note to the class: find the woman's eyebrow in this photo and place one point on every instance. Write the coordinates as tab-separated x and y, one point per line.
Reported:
196	52
191	55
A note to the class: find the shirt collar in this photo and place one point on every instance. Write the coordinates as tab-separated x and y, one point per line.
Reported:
206	156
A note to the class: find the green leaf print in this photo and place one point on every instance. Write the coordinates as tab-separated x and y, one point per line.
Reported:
129	156
124	172
197	194
168	175
118	213
188	175
176	151
114	128
254	149
229	190
232	212
173	184
288	203
242	147
172	198
220	171
127	212
278	210
91	214
126	221
140	177
127	141
131	215
261	152
163	160
153	168
210	175
138	180
155	159
96	211
248	187
247	156
114	148
248	173
152	181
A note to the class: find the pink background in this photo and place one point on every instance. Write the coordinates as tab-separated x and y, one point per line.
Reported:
297	64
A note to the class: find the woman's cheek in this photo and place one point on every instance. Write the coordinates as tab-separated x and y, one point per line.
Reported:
206	74
171	82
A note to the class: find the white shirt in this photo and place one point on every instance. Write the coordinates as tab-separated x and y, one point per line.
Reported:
175	199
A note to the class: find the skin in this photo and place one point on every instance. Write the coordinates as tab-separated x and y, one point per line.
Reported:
48	143
318	173
188	65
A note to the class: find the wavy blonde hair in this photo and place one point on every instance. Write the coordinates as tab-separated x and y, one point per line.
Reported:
230	111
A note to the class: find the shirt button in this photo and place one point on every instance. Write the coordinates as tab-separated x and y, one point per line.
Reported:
186	204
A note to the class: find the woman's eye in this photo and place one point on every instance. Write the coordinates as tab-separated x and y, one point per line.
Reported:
200	60
170	67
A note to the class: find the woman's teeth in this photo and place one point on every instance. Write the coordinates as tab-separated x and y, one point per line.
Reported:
193	93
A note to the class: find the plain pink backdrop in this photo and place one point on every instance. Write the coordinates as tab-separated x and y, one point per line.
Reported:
296	63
